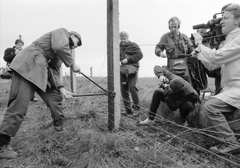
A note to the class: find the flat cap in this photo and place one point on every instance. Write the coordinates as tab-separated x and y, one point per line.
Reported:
77	35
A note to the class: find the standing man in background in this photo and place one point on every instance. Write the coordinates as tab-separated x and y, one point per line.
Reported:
130	55
10	54
175	43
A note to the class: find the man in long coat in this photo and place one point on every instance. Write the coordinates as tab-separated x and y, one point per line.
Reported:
37	69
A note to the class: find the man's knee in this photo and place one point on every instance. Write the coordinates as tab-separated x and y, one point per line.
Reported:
187	106
208	109
157	92
56	96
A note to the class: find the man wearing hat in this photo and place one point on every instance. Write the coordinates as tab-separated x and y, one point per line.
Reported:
176	92
37	69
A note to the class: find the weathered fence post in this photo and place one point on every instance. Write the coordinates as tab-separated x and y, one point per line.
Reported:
73	76
91	74
113	64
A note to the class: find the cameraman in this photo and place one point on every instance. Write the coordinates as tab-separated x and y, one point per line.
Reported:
215	73
228	58
175	92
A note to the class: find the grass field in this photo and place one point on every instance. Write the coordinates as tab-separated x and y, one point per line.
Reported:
87	142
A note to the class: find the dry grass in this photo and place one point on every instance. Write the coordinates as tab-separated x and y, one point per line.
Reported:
87	143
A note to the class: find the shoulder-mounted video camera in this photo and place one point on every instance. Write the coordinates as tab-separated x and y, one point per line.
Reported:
213	31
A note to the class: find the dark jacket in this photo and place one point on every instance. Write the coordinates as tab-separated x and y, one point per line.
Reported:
46	53
9	54
174	100
132	52
174	47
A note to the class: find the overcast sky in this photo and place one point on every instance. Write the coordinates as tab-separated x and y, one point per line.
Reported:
145	21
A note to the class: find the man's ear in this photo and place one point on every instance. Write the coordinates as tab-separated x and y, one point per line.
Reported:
237	22
71	43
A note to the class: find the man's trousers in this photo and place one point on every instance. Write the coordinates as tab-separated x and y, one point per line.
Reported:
128	86
21	92
158	96
218	113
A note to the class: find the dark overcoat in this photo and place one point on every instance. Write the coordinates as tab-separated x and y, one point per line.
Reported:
47	52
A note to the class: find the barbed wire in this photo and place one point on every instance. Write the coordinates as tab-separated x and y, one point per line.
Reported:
194	130
177	136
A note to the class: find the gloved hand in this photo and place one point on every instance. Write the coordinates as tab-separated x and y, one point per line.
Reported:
17	51
195	52
164	87
65	93
76	68
197	38
163	82
161	54
163	79
124	61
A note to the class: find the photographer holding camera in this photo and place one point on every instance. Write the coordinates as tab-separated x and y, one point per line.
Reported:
175	92
228	58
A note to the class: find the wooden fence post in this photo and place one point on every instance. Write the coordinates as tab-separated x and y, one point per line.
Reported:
91	74
113	64
73	76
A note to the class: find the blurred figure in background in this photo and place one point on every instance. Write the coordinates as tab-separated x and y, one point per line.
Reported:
10	54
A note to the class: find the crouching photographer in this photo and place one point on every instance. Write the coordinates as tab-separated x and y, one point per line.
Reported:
176	92
227	102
